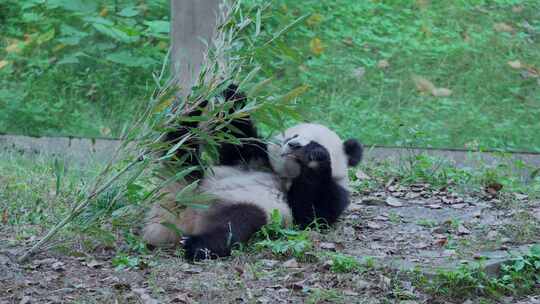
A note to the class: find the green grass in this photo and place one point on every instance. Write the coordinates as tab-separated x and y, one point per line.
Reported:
517	277
343	263
87	63
78	68
30	196
451	43
36	193
282	241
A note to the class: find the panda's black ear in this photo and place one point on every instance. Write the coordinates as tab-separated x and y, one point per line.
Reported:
353	149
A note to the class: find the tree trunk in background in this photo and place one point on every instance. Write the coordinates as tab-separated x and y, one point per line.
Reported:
191	22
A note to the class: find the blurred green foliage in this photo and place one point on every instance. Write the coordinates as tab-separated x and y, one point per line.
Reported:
73	67
359	60
81	67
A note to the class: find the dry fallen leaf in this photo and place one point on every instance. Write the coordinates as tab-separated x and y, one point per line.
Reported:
520	196
372	201
59	47
426	30
517	9
5	217
292	263
503	27
441	242
316	46
394	202
385	283
143	295
348	41
361	175
359	72
239	270
441	92
493	188
26	300
533	72
104	12
421	245
383	64
314	19
423	85
422	4
492	235
58	266
94	264
297	285
3	63
466	36
355	208
462	230
105	131
269	263
328	246
515	64
374	225
13	47
182	298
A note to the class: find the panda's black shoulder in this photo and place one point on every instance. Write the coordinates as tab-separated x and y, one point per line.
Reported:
232	93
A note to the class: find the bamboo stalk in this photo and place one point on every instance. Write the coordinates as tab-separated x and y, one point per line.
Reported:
77	210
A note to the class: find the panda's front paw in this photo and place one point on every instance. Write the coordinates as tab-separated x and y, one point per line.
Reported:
196	248
315	155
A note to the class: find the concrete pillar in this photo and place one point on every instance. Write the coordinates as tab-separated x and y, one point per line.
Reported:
192	22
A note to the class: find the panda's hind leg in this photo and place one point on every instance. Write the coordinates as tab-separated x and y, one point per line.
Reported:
164	224
224	226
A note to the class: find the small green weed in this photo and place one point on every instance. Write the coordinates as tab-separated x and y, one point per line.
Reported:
319	295
283	241
523	228
518	277
427	223
124	261
462	283
343	263
522	274
442	173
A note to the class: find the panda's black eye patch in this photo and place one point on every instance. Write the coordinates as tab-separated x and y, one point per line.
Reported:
294	145
290	138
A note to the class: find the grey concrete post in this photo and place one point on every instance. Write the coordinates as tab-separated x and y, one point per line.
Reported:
192	23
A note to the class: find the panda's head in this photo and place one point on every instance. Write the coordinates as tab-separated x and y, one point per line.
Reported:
342	154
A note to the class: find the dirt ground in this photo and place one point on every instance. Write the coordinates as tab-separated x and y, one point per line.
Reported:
399	227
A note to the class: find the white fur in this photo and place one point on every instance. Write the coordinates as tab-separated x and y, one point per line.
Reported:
225	184
261	189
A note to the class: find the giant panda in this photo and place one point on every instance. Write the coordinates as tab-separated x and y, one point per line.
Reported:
302	173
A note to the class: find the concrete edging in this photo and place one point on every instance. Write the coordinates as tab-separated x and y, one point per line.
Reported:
86	151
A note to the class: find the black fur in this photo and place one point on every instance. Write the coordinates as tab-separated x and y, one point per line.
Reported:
229	154
354	151
229	224
189	149
252	148
314	194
